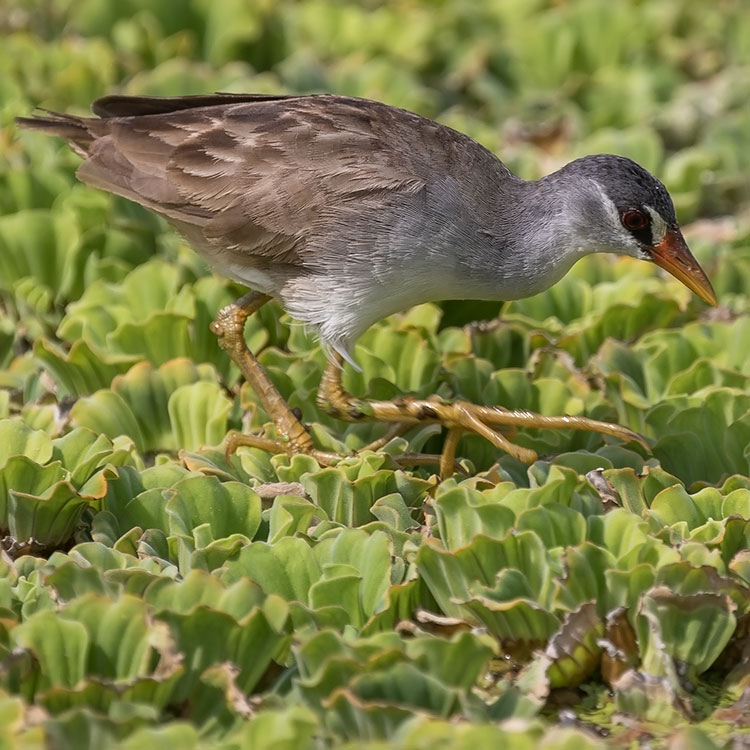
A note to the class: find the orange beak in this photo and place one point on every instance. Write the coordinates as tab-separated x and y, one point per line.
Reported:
673	255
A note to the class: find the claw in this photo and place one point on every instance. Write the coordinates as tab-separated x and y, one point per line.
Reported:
236	440
468	419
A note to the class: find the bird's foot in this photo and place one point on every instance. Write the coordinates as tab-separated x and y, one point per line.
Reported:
237	440
488	421
459	417
294	438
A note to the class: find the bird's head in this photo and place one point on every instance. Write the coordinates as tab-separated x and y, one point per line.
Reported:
622	208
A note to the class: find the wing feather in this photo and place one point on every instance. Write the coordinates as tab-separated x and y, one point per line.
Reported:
260	176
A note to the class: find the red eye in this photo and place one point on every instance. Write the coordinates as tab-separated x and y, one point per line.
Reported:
634	220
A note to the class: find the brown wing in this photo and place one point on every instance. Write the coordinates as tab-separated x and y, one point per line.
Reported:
257	175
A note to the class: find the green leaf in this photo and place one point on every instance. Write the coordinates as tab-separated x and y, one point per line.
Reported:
228	507
288	516
457	662
17	439
369	555
82	451
555	524
161	337
692	629
23	475
50	519
107	413
250	643
574	651
118	634
287	729
287	568
585	581
40	245
82	370
625	483
675	505
60	646
463	513
198	413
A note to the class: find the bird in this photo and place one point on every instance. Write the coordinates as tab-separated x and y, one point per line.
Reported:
347	210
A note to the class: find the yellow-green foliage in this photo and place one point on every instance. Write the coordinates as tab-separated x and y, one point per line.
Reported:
153	594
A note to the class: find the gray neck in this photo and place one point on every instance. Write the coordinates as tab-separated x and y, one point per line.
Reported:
531	241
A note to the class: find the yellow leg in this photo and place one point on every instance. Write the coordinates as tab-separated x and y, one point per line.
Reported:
293	438
458	416
229	326
448	456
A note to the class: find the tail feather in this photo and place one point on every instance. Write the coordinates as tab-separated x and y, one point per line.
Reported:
122	155
75	130
82	132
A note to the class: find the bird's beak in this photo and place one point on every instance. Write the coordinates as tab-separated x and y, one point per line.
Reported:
673	255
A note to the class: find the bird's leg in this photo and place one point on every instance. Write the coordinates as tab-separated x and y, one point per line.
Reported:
229	326
458	416
293	438
448	456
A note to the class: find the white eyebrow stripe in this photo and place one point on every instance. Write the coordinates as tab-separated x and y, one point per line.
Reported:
658	226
